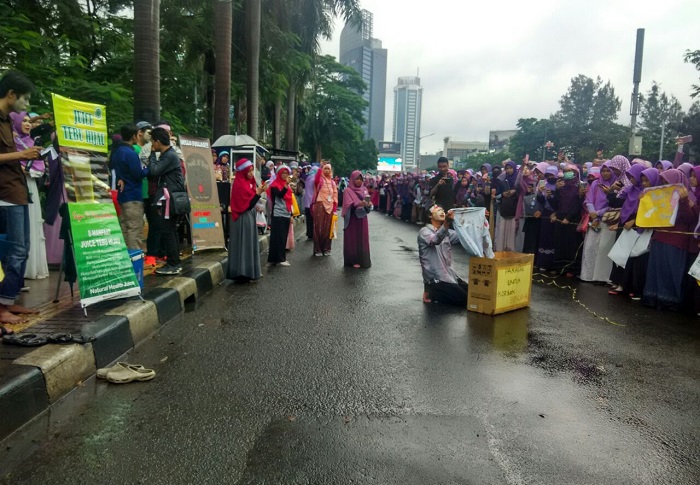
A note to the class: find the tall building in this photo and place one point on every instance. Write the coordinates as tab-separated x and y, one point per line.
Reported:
361	51
408	99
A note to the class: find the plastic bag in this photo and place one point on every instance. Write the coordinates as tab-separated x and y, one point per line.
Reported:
334	223
472	229
295	207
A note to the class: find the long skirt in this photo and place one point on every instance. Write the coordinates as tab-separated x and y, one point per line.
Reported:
665	275
243	249
308	215
567	252
603	265
505	234
692	289
37	265
322	229
545	252
635	275
382	203
591	246
374	194
356	242
279	231
617	274
531	230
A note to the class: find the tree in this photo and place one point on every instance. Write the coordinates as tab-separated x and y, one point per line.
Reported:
253	19
693	57
586	118
657	110
690	125
531	138
223	19
331	116
147	60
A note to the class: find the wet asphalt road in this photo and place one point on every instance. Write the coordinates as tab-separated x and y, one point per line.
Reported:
320	374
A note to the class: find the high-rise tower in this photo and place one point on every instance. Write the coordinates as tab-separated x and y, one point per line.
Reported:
361	51
408	99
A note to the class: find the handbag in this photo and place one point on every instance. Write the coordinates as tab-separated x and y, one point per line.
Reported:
583	225
507	206
530	205
180	203
611	217
334	222
295	207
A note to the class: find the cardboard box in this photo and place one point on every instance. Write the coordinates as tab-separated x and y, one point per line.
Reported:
501	284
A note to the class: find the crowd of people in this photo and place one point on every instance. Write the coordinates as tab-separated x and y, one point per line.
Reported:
569	216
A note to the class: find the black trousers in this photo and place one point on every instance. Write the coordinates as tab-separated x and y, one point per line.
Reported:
449	293
279	231
308	215
153	243
169	238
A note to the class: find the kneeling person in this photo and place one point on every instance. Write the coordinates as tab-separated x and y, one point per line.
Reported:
435	252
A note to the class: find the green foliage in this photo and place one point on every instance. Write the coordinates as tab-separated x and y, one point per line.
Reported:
693	57
659	109
331	116
476	160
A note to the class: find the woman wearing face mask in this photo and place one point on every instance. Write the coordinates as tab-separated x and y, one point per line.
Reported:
668	252
567	205
36	266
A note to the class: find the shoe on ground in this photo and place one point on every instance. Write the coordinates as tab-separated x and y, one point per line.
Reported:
24	289
150	261
634	297
327	253
284	263
102	373
168	269
318	254
130	373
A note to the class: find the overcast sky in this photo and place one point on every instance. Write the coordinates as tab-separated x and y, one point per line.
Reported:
484	64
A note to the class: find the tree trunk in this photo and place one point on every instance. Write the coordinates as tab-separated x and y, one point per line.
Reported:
277	125
253	19
291	117
223	21
146	60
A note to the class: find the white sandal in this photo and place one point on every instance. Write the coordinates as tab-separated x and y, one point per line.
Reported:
102	373
130	373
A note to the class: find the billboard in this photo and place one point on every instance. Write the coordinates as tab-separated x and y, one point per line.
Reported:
389	164
498	139
389	147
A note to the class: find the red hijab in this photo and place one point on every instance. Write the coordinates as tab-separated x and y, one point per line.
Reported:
242	190
279	185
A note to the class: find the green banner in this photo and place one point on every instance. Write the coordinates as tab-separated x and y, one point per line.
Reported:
104	268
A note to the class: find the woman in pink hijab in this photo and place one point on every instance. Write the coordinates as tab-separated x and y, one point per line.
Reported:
324	206
356	206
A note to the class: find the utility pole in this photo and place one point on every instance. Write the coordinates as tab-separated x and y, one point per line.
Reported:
635	146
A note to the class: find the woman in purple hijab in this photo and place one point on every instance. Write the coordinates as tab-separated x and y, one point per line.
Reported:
37	266
567	204
669	251
544	258
631	279
356	206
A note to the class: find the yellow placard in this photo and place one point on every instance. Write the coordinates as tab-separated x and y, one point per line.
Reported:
658	206
514	284
80	125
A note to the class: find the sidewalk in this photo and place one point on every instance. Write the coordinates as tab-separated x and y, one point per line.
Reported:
33	378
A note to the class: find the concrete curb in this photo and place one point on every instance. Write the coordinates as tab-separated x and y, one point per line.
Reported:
31	383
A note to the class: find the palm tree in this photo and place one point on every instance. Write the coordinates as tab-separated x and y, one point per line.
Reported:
146	60
223	19
253	19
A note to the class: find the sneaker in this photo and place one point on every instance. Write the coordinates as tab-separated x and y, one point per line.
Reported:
168	269
327	253
318	254
635	297
150	261
24	289
284	263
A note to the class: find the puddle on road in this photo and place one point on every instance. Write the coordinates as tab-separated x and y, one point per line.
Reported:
506	332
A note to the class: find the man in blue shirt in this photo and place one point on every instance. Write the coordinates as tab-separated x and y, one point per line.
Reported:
129	171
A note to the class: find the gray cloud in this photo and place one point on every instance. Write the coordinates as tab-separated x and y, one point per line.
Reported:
484	66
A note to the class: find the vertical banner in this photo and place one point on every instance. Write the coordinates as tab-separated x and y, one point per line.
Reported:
102	261
207	230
